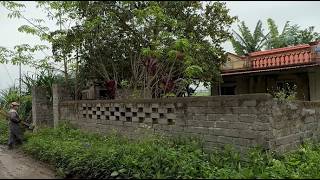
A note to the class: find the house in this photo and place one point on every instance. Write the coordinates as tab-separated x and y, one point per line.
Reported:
264	71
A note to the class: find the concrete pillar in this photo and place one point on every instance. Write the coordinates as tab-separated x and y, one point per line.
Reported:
58	94
42	115
314	85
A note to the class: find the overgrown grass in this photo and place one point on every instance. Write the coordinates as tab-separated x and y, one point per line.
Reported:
85	155
3	131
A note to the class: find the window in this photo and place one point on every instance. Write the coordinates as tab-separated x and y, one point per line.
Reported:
228	88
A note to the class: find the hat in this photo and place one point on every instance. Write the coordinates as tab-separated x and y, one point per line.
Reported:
15	104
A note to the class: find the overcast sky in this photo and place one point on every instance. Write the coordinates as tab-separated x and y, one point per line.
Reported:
303	13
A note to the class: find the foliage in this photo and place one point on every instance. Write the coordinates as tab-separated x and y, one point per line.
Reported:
12	94
92	156
131	32
25	53
291	35
247	42
107	40
43	79
286	93
277	40
4	131
86	155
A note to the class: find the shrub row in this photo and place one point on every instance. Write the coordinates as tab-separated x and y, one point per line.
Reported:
85	155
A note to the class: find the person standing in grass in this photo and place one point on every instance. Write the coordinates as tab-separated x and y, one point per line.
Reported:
15	133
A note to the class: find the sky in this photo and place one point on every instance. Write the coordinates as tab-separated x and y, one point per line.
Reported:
303	13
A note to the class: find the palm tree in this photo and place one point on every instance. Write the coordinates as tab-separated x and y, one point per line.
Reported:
245	42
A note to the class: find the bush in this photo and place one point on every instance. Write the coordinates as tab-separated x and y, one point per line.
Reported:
85	155
3	131
93	156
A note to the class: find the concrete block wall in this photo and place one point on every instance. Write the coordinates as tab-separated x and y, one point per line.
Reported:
293	123
42	114
243	121
59	94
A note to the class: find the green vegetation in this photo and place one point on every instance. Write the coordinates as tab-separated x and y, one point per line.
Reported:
3	131
86	155
286	93
159	47
246	42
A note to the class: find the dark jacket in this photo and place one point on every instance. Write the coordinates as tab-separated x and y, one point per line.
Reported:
14	117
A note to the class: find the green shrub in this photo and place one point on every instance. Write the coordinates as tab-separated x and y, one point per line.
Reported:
3	131
86	155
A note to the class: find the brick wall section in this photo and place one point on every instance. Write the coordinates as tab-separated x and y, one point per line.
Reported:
42	115
295	122
240	120
59	94
243	121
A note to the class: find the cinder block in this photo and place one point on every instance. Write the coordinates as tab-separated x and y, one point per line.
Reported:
135	119
247	134
155	105
230	103
224	132
227	117
198	103
249	118
134	109
239	125
225	140
222	124
199	117
244	110
249	103
155	115
241	141
197	130
147	109
112	118
148	120
214	103
162	110
171	116
210	138
129	114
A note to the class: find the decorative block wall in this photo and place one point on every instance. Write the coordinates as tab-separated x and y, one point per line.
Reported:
243	121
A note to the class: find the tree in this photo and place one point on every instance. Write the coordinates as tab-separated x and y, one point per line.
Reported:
308	35
58	11
247	42
118	36
109	38
291	35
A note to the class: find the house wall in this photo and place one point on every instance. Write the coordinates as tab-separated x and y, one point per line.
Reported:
267	83
314	83
234	62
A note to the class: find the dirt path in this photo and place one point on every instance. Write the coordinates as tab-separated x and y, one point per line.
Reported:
15	165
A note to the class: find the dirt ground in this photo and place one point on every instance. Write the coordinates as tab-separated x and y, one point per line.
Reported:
15	165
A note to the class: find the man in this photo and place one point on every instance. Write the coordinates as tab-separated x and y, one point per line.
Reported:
15	134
